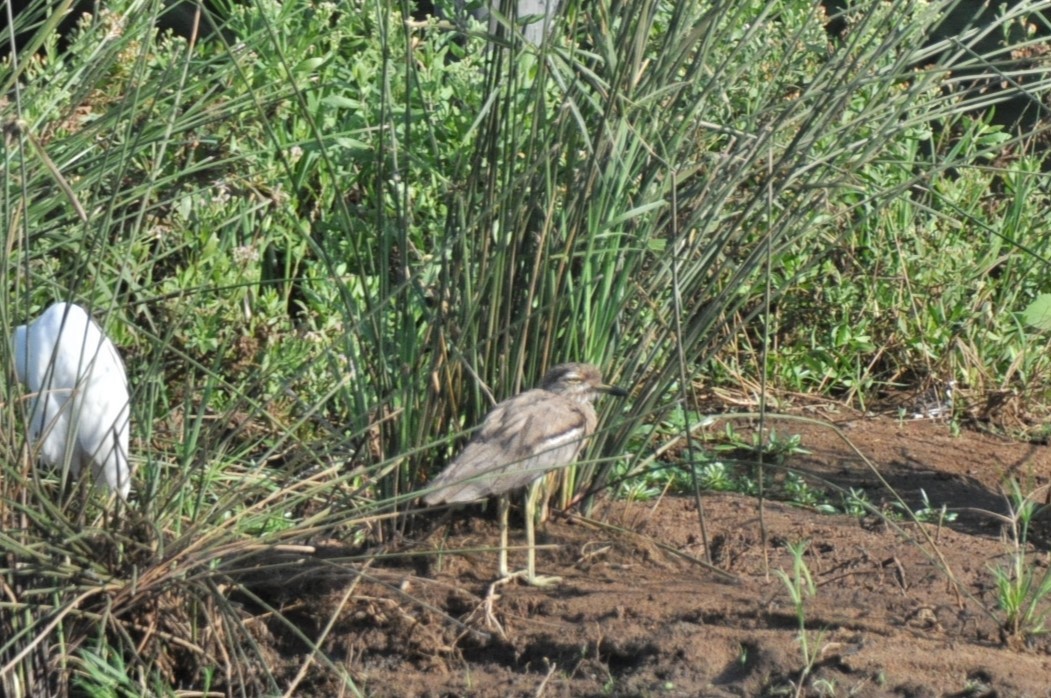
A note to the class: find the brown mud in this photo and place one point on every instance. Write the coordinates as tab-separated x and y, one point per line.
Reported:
901	608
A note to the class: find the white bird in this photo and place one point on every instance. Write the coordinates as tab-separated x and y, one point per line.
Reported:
79	409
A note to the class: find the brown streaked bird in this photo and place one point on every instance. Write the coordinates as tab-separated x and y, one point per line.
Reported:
522	438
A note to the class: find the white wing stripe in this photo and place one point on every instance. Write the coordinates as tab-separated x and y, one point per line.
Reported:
558	440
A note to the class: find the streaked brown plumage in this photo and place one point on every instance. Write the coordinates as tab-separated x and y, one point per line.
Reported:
522	438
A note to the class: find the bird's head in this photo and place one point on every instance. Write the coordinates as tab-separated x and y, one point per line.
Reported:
578	382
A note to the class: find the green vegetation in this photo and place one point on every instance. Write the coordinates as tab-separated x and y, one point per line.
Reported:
325	239
1023	590
800	586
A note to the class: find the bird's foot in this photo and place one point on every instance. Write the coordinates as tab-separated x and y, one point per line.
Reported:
540	581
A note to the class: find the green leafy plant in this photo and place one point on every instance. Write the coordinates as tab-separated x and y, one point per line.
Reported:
800	586
1023	590
856	503
928	513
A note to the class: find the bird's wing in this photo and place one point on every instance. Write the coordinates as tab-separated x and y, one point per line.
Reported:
70	348
42	356
79	381
102	410
103	419
520	439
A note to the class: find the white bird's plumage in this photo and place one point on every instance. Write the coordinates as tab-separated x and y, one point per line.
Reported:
79	404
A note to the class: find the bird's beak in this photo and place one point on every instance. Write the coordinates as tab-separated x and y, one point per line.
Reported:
611	390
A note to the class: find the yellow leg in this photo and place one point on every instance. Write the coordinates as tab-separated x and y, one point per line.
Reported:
530	521
502	505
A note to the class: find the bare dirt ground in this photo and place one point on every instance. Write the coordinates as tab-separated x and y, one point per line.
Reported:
631	618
